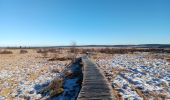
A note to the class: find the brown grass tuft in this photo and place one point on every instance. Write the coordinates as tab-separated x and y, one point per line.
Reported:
23	51
6	52
60	59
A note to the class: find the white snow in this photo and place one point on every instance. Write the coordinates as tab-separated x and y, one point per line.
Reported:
148	75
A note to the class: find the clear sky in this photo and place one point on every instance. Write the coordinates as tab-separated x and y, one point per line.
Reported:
59	22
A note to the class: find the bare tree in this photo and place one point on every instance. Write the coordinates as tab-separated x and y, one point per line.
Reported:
73	51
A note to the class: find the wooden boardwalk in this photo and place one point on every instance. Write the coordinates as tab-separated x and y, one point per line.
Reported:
94	86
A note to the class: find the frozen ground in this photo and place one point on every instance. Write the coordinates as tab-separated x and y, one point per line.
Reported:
72	83
137	76
21	75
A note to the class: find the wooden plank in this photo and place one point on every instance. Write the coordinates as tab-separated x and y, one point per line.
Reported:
95	85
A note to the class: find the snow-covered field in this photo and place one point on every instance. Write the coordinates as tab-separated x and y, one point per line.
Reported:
22	75
137	76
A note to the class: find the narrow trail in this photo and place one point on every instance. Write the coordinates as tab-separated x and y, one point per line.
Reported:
95	85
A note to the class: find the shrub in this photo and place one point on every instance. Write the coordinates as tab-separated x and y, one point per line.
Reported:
60	59
6	52
129	50
43	52
52	50
23	51
54	88
56	70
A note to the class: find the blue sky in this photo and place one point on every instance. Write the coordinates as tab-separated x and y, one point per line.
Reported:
59	22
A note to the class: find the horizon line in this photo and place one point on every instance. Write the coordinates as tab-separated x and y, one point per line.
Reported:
87	45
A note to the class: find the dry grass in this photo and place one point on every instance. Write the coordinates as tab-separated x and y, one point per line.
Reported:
23	51
6	52
116	71
5	91
33	76
158	96
59	59
54	88
158	56
117	95
23	62
141	94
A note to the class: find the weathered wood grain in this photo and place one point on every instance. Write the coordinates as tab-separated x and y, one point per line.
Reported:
95	85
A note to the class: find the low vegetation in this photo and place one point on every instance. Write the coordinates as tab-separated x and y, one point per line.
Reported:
23	51
54	88
60	59
122	50
6	52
